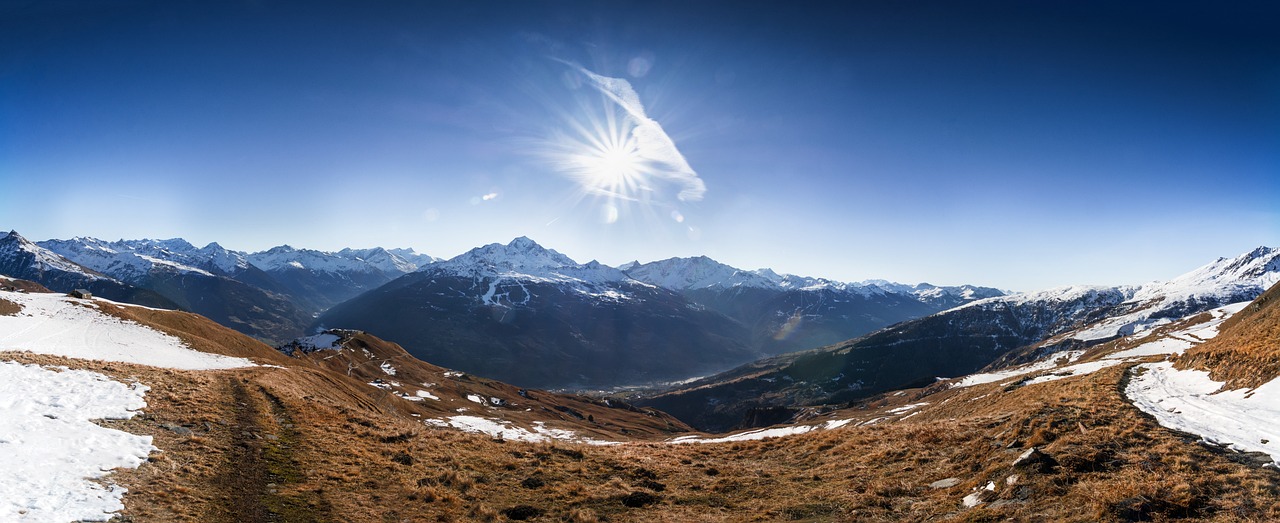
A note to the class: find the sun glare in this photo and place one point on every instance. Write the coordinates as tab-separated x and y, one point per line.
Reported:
618	156
605	160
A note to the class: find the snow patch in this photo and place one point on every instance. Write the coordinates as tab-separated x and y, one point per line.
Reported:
505	430
62	326
1188	400
52	452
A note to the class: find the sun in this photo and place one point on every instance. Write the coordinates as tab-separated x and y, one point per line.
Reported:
616	169
605	159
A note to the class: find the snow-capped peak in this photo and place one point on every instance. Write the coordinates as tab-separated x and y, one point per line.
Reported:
1259	267
377	259
701	272
523	258
13	244
130	260
225	260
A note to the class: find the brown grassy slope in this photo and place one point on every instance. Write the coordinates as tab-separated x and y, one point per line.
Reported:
11	284
198	332
362	356
1246	352
8	308
304	444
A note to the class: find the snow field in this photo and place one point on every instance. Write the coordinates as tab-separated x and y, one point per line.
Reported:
50	452
1187	400
63	326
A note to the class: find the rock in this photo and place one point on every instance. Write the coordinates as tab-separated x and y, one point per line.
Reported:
1005	503
532	482
1033	459
945	483
177	429
1252	459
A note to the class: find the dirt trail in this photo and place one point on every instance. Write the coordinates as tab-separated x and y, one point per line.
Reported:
262	477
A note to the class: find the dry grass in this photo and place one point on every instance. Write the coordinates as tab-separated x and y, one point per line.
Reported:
8	308
1247	352
199	332
304	443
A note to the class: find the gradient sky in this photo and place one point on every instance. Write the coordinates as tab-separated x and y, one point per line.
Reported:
1020	145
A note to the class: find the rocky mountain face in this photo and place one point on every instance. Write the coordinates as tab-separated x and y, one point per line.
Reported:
322	279
993	333
534	317
272	295
787	313
204	281
21	258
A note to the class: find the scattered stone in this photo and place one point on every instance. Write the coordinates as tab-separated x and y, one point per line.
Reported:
1033	459
1012	479
1252	459
980	496
945	483
177	429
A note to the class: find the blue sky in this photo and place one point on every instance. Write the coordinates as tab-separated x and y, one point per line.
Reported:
1014	144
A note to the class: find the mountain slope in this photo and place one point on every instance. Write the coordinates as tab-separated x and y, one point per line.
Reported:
173	269
20	258
786	313
533	317
994	332
324	279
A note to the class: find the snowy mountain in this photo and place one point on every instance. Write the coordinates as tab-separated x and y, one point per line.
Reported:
377	259
1135	309
212	281
21	258
786	313
701	272
523	261
320	279
130	261
994	333
529	315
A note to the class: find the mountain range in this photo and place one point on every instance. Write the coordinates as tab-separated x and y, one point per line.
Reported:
529	315
518	312
993	333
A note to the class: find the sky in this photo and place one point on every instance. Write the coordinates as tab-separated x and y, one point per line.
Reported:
1019	145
